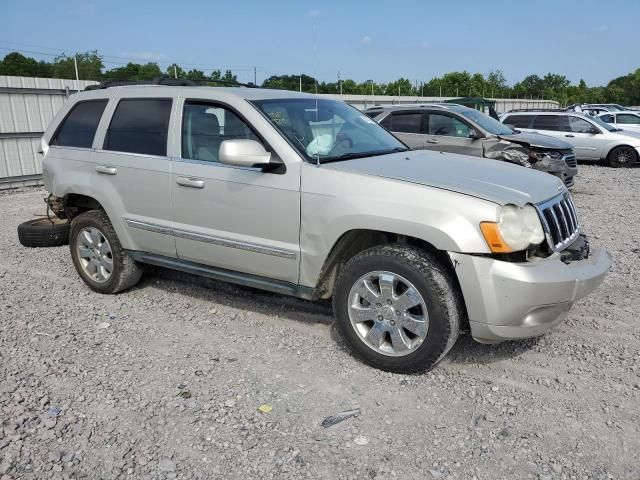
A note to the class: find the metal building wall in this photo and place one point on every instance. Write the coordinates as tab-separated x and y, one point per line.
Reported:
27	105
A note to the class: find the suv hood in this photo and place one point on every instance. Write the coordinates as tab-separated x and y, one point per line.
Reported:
496	181
537	140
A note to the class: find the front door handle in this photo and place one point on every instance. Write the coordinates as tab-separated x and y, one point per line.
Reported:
433	140
569	135
106	170
190	182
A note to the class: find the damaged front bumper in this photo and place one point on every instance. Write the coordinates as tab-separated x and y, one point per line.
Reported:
565	168
507	300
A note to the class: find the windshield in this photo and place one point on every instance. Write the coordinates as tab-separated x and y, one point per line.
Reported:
604	125
328	130
486	122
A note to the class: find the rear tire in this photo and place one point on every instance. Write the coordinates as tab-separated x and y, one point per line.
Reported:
42	232
98	256
375	328
622	157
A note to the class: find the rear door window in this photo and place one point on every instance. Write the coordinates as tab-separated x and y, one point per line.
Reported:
140	125
405	122
553	123
80	125
517	121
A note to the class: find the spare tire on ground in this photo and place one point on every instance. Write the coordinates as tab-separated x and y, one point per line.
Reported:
44	232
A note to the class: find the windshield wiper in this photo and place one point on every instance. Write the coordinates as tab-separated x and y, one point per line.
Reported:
353	155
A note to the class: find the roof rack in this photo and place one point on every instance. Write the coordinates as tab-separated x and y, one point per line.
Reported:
515	110
166	81
410	105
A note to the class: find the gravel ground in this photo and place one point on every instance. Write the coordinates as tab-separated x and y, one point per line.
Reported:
165	380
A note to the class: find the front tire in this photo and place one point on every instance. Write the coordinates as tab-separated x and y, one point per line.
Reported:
398	308
622	157
98	256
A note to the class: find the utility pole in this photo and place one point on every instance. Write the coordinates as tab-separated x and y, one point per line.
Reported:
372	89
340	82
300	83
175	72
75	64
255	76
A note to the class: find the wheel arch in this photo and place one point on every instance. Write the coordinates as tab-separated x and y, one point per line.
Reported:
77	202
613	147
354	241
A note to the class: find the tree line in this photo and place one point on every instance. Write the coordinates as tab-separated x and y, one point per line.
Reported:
624	90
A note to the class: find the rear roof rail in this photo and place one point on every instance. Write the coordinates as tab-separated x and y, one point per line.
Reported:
166	81
525	110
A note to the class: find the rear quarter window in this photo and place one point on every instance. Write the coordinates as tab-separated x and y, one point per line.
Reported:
79	126
140	125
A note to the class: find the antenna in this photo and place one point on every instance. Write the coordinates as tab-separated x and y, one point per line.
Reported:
315	83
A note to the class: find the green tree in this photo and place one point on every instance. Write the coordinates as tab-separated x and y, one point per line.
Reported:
175	70
194	74
495	83
229	77
89	66
16	64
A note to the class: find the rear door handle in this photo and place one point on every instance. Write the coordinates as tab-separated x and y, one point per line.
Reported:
432	141
190	182
570	136
106	170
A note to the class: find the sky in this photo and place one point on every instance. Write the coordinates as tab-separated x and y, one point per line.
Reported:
380	40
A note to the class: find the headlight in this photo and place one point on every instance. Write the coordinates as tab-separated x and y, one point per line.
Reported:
517	229
555	155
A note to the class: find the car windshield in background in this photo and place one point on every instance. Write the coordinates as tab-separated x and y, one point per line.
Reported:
328	130
604	125
485	121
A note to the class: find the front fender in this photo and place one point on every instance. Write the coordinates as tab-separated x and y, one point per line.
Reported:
447	220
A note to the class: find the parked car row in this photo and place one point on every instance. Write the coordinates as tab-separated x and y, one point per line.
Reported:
591	138
309	197
458	129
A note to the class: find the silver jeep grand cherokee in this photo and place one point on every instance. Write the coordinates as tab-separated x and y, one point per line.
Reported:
309	197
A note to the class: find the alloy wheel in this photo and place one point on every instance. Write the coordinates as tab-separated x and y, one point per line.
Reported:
388	313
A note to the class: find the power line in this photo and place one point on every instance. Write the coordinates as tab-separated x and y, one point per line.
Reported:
130	59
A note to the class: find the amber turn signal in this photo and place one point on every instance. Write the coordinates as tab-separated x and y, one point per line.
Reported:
493	238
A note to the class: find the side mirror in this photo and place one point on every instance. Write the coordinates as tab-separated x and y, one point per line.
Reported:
474	134
244	153
594	131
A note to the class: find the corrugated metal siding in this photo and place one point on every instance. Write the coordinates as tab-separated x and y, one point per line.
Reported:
28	112
19	157
44	83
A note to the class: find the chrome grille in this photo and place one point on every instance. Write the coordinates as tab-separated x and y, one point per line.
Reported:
560	221
570	159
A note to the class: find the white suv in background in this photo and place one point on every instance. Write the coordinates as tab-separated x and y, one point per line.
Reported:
592	139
